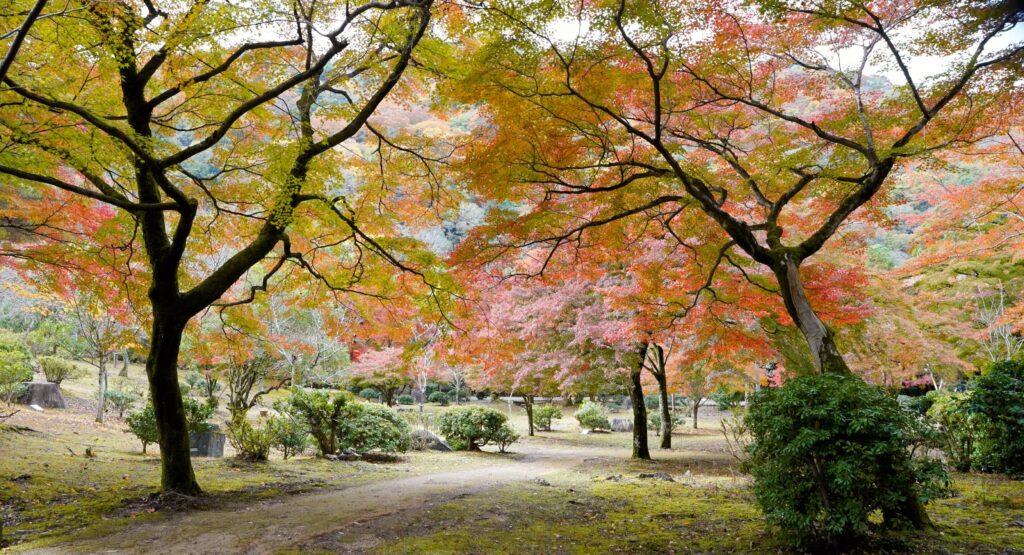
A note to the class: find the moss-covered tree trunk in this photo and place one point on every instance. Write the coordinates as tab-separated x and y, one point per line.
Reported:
636	395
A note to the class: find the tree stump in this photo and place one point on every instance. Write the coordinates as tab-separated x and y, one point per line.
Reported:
44	394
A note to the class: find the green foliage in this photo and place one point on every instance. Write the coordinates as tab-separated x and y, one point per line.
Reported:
654	420
959	426
370	394
652	402
826	452
504	437
197	416
373	427
592	416
544	415
252	442
470	428
726	400
52	336
406	399
320	412
122	401
143	425
56	369
438	397
998	396
288	436
15	366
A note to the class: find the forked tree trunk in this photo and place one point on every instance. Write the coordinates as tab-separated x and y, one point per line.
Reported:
636	394
820	339
176	473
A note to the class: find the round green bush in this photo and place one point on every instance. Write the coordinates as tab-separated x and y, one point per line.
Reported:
289	436
56	369
825	453
592	416
121	400
470	428
998	396
406	399
142	424
439	397
372	427
370	394
251	442
544	415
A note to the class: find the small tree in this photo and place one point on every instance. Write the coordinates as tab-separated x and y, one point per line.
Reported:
249	379
143	425
544	415
471	428
321	412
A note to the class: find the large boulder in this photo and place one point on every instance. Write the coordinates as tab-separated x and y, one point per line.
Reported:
207	444
422	440
43	394
621	424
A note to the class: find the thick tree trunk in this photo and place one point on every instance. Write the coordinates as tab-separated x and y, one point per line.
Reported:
102	393
636	395
528	405
162	370
820	339
696	409
124	364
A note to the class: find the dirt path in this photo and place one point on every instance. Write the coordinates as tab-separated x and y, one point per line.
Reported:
268	526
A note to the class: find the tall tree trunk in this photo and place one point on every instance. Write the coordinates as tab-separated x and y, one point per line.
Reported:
636	395
696	408
124	364
820	339
176	473
528	405
661	376
102	394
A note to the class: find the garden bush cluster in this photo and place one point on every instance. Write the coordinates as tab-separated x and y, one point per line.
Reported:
545	415
470	428
592	416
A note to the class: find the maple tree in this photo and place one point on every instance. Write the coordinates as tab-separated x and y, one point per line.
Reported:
755	125
217	157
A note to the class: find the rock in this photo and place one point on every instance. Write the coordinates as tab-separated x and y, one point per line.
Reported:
43	394
36	408
207	444
656	476
621	425
542	482
422	440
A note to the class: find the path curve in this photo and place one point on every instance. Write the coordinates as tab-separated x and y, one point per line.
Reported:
267	526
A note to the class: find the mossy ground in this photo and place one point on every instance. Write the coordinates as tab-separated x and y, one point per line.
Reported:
50	492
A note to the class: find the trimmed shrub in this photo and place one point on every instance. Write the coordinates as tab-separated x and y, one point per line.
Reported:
654	421
439	397
998	397
470	428
56	369
288	436
320	412
372	427
142	424
406	399
544	415
505	437
592	416
827	452
369	394
252	442
197	415
122	401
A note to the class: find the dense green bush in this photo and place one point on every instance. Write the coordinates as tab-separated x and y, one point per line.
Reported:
143	425
406	399
197	415
998	397
825	453
725	399
122	401
654	421
372	427
15	366
369	394
251	442
470	428
289	436
439	397
592	416
544	415
504	437
56	369
320	412
959	426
